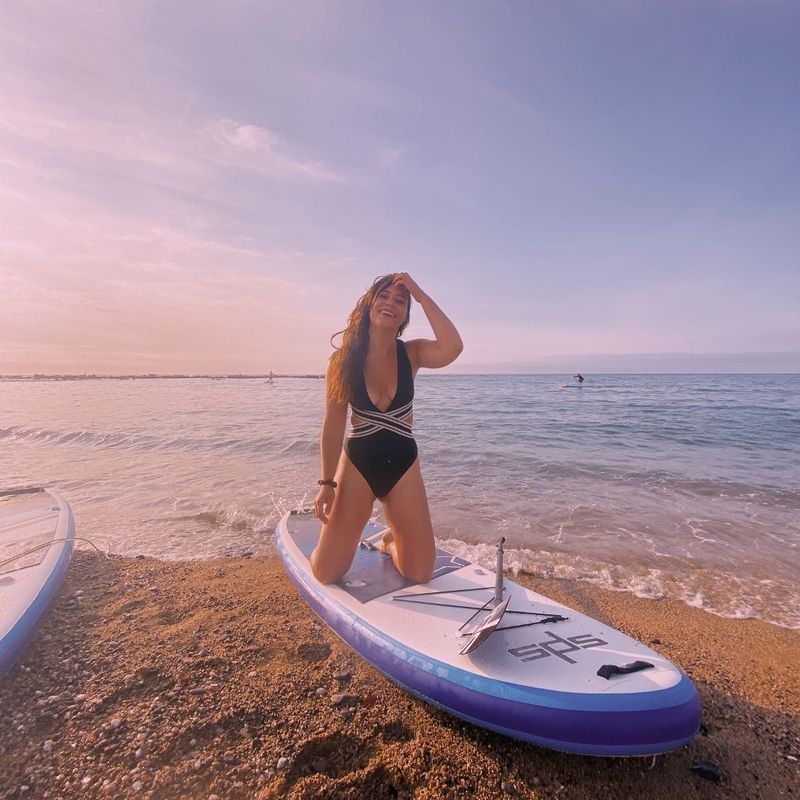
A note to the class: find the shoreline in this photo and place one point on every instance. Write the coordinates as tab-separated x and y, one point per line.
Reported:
163	679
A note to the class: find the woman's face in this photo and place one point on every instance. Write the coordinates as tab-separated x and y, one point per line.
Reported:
389	309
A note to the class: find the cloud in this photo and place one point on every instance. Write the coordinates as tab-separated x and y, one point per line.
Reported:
263	151
41	133
245	137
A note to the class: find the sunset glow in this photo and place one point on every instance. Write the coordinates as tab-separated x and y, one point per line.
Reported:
209	188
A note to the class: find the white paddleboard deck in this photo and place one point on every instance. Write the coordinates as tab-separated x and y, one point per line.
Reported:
539	676
29	518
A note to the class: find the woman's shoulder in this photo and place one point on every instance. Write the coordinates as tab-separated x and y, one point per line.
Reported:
334	363
335	388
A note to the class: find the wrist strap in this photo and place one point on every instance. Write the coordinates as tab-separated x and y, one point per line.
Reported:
328	482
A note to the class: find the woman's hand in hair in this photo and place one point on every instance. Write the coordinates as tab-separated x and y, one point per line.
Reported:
407	282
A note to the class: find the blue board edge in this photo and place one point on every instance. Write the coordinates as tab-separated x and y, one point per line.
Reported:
19	636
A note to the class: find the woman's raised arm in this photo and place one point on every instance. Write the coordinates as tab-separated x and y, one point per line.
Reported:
447	345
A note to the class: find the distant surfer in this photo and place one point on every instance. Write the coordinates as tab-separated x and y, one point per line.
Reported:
269	380
578	378
373	372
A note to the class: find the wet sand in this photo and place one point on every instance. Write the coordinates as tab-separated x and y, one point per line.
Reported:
154	679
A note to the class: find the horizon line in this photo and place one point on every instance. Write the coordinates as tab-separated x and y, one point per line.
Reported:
317	375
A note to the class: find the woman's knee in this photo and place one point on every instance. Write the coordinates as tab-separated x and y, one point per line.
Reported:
323	570
418	569
418	574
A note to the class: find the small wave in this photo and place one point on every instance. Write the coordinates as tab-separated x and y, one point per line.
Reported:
141	441
84	437
228	518
299	446
759	494
720	593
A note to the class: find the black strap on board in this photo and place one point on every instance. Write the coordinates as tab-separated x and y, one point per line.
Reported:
607	671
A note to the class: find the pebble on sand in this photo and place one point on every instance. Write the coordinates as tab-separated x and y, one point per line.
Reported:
344	699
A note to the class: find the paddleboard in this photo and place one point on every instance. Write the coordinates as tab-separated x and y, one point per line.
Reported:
30	517
546	673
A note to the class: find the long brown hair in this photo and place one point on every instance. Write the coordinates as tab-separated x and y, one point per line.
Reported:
347	363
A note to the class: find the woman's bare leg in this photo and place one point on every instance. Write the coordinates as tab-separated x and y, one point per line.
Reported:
338	541
410	542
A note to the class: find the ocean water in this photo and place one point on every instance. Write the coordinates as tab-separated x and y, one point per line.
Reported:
662	485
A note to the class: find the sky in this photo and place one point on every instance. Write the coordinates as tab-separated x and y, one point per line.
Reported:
208	187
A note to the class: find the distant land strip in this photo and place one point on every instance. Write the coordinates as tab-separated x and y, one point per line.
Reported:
149	376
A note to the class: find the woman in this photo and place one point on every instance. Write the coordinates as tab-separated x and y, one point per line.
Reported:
373	372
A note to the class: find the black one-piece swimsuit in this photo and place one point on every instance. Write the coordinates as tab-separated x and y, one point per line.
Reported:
382	447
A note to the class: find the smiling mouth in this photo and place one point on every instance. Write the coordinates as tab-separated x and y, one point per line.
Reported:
388	314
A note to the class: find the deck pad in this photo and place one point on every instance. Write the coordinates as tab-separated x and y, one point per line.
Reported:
372	573
25	523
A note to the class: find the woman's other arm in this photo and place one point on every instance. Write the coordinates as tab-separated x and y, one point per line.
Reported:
330	446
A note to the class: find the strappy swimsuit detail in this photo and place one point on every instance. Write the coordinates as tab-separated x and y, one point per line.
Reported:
382	447
394	421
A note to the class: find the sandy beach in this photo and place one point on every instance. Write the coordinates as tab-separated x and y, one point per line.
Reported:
212	679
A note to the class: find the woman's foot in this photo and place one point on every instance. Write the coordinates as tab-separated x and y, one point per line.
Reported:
386	541
379	541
